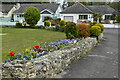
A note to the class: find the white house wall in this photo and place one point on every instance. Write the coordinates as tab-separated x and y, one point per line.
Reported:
57	14
76	16
103	17
1	14
18	19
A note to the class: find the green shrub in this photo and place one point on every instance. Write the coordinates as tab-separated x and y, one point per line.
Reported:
83	30
118	17
54	22
47	23
71	28
34	27
57	27
69	35
62	23
32	16
95	31
18	25
101	26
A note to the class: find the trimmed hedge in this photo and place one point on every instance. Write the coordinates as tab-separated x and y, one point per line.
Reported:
101	26
95	31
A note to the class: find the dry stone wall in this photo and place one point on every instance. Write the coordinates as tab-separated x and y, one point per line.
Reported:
49	65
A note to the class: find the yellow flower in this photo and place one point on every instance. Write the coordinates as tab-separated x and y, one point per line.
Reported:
27	50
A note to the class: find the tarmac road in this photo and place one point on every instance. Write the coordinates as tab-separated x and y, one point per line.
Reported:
102	62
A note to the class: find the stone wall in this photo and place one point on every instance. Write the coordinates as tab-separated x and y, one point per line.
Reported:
49	65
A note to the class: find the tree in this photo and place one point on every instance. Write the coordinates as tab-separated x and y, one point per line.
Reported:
97	16
118	17
32	16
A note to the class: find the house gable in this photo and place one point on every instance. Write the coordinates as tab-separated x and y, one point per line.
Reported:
46	11
76	9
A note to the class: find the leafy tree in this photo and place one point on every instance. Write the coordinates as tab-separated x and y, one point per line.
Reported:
32	16
97	16
118	17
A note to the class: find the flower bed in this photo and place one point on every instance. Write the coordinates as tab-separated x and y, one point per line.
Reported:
49	65
42	49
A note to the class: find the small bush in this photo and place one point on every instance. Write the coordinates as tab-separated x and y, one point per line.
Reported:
95	31
71	28
101	26
18	25
42	27
57	27
54	22
34	27
47	23
69	35
83	30
62	23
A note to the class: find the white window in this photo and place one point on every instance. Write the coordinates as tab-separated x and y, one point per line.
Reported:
68	18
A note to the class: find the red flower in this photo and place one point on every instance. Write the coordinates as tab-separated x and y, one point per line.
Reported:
39	50
36	46
12	53
68	38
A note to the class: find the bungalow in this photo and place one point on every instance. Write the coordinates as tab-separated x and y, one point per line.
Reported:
106	11
47	10
79	12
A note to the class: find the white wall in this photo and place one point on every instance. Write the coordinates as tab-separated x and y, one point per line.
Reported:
76	16
1	14
57	14
19	19
103	17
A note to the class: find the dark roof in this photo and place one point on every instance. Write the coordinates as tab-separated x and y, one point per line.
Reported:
102	9
6	7
21	0
77	8
50	6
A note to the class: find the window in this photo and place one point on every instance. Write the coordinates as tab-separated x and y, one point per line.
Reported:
83	16
68	18
108	17
21	15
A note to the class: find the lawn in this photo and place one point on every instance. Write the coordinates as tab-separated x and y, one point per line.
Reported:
18	39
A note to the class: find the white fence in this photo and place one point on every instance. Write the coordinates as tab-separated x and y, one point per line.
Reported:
116	25
14	23
8	23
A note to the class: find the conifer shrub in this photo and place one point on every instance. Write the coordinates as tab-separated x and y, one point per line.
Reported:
71	29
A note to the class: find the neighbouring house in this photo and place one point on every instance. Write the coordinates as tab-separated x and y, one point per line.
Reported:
76	13
47	10
79	12
107	12
5	9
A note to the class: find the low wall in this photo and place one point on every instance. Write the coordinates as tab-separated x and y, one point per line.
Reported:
47	66
116	25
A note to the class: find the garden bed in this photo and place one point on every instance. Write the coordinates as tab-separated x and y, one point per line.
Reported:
49	65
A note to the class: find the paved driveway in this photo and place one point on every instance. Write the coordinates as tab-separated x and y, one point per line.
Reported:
102	62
